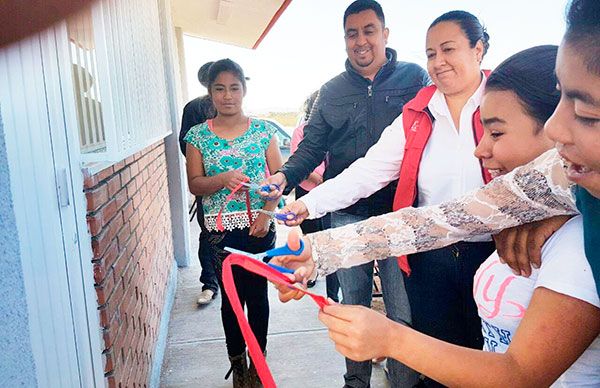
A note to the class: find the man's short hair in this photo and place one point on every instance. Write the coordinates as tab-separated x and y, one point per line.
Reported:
364	5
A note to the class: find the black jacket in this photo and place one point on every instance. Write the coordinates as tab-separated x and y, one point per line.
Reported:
195	112
348	117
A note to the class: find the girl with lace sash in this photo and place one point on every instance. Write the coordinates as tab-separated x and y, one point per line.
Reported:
533	192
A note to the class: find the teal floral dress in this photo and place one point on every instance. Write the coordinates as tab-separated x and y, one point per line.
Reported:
246	153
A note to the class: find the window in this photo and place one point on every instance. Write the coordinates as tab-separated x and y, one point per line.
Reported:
82	52
119	78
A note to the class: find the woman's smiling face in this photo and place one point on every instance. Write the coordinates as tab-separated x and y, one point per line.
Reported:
575	125
451	61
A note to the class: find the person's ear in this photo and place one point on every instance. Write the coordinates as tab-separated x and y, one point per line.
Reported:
479	51
386	34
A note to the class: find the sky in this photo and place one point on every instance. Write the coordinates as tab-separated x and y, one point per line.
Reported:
305	48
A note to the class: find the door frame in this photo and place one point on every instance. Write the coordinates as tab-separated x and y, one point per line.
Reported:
50	212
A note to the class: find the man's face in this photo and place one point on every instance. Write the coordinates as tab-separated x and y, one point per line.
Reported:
365	42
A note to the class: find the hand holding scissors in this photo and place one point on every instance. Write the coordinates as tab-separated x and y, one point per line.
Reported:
262	189
302	264
298	209
276	183
287	216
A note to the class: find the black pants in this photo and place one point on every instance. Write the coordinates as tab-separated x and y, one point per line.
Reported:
317	225
251	288
440	292
208	276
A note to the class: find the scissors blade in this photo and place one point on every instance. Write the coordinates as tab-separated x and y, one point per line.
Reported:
250	185
259	257
256	186
240	252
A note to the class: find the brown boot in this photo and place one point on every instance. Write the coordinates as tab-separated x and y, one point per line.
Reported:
239	368
253	379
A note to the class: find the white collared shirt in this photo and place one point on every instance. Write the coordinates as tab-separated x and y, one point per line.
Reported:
448	167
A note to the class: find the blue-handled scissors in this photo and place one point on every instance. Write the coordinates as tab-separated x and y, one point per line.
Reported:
291	216
280	251
262	188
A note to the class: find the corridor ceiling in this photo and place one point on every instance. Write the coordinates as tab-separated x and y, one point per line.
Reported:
241	23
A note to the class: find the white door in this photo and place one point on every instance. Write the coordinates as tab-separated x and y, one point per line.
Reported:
49	204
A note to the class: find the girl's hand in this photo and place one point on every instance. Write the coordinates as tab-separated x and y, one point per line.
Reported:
231	179
303	265
260	226
521	247
358	332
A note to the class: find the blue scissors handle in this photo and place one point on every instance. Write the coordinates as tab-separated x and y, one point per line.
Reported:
281	269
267	189
263	257
285	250
263	188
280	216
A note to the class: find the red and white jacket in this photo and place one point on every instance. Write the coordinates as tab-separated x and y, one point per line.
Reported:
418	124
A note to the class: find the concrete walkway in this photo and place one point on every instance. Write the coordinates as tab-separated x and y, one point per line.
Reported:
300	353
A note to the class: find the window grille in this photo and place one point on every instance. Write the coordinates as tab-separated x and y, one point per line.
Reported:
119	82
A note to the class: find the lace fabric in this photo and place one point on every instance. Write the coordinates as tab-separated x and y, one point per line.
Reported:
532	192
231	221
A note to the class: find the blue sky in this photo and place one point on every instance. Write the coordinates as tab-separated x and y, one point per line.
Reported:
305	48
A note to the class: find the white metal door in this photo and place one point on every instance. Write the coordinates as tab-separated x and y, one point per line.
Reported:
46	183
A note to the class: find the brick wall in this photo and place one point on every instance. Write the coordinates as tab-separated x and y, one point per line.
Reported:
130	223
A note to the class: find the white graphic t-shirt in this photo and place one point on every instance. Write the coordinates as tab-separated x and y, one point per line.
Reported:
502	297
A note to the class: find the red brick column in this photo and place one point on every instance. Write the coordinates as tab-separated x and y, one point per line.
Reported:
129	220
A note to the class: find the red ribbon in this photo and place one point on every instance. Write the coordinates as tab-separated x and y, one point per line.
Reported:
229	197
272	275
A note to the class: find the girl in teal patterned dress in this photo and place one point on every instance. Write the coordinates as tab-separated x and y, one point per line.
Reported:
222	153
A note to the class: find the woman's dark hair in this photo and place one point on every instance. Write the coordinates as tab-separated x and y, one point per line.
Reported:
364	5
225	65
583	31
530	75
469	24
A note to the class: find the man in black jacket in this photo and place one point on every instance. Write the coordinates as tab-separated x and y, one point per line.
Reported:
349	116
196	112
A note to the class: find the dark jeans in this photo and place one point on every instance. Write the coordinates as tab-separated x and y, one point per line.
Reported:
208	276
251	288
440	292
357	289
317	225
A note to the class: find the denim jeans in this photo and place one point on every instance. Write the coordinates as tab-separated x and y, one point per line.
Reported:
208	276
357	289
440	291
316	225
